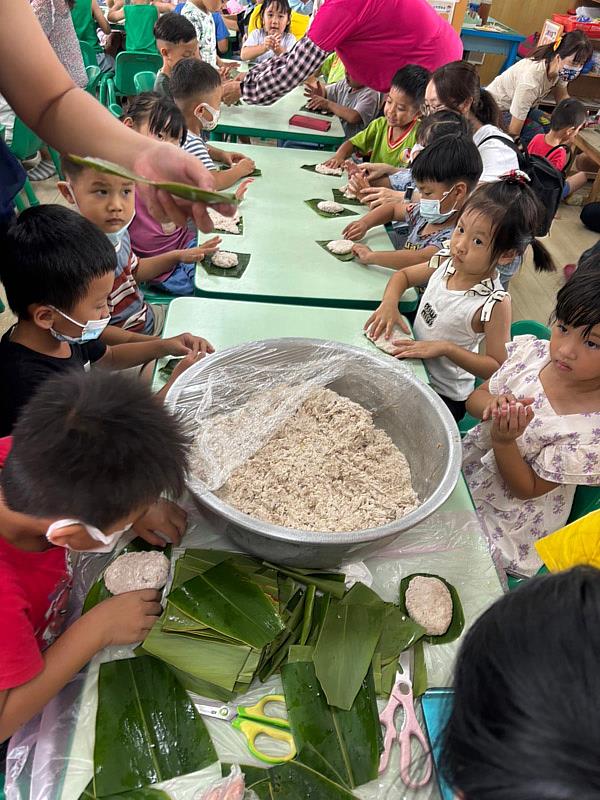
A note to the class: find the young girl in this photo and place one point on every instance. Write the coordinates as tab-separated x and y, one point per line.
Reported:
464	303
540	434
272	36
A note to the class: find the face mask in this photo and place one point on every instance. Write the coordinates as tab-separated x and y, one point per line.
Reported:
417	148
108	542
430	210
214	112
116	237
92	329
568	73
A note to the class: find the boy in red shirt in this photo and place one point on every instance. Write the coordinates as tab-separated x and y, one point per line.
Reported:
90	453
565	123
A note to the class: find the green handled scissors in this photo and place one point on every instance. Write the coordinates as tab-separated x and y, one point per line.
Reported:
253	721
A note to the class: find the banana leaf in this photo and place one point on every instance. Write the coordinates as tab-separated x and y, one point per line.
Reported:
184	190
230	603
340	197
314	204
349	741
399	632
296	781
147	729
276	652
300	652
231	272
340	256
333	583
309	603
345	649
457	623
312	168
147	793
318	616
203	688
420	680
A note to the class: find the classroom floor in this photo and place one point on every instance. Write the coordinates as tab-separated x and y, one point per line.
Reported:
533	294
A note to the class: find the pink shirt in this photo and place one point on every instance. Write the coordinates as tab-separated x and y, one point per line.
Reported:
148	238
375	38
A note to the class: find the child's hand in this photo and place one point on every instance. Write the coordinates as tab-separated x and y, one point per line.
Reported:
230	158
192	254
508	427
411	349
246	166
355	230
376	196
499	405
243	188
362	253
271	42
187	344
125	618
358	183
372	170
318	102
166	518
335	162
314	87
383	319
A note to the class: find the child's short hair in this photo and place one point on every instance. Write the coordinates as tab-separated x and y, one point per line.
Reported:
174	28
578	302
71	169
93	447
412	80
192	77
161	112
282	5
441	123
449	159
569	113
590	259
510	733
51	255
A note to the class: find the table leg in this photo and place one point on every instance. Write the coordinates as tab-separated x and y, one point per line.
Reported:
511	57
595	193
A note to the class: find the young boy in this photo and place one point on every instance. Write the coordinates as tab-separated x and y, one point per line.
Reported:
197	91
565	123
200	14
109	202
445	173
175	39
356	105
89	454
58	271
390	138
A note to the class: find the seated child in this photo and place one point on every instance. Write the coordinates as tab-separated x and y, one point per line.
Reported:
87	18
175	39
198	91
356	105
159	118
200	14
58	271
272	35
390	138
565	123
510	733
539	435
140	18
77	473
463	303
445	173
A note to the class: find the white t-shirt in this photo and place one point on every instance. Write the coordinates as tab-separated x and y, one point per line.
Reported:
498	158
521	87
258	36
204	24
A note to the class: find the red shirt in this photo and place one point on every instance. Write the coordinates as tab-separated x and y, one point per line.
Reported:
34	590
5	445
539	147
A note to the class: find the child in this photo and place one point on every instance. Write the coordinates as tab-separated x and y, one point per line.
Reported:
445	173
58	271
540	429
510	733
390	138
272	35
565	123
160	118
356	105
175	39
89	454
198	91
199	13
464	303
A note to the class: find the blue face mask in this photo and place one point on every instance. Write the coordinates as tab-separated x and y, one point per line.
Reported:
92	329
568	74
116	237
430	210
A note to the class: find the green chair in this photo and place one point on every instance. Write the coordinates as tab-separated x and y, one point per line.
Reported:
88	54
586	500
94	76
153	294
116	110
128	65
25	144
144	82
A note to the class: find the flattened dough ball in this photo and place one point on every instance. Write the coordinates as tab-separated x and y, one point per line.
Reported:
429	604
133	571
330	207
224	259
386	344
323	170
340	247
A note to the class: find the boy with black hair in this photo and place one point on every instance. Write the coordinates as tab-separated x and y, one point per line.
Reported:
389	139
58	271
198	92
175	39
89	454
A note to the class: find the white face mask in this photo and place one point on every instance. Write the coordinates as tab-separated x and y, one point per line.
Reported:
208	125
430	210
92	329
108	542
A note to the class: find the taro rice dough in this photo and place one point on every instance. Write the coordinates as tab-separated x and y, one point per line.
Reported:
323	170
386	344
340	247
222	223
224	259
330	207
133	571
429	604
347	192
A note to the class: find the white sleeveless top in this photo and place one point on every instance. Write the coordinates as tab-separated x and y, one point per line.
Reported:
447	315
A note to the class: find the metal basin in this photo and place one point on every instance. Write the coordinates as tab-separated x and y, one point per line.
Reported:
410	412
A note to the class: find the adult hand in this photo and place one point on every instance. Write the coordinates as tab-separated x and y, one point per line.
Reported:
383	319
373	171
506	428
163	517
232	92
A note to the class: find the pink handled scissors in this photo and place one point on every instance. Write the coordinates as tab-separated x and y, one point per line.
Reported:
402	695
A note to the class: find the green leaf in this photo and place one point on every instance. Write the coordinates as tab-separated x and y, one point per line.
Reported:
233	272
419	677
319	611
309	603
457	623
147	729
147	793
229	602
327	214
399	632
296	781
277	650
340	197
345	650
299	652
347	740
203	688
345	257
312	168
325	582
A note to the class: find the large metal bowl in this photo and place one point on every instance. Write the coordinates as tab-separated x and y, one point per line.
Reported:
417	421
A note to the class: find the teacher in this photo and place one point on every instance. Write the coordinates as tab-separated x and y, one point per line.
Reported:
373	38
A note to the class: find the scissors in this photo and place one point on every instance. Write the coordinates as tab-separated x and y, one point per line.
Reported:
402	695
253	721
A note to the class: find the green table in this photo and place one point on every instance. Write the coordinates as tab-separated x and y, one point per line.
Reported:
281	233
271	122
226	323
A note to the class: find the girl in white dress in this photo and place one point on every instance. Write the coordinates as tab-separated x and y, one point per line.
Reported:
540	435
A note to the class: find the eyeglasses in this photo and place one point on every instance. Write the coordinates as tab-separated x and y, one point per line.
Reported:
427	109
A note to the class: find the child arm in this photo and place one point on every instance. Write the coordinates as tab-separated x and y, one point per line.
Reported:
497	333
150	268
225	178
343	152
383	319
346	113
117	12
393	259
378	216
100	18
112	335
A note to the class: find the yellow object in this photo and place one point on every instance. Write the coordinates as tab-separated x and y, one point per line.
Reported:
577	543
252	730
257	712
298	22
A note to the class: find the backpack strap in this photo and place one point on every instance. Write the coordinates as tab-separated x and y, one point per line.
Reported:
508	142
569	155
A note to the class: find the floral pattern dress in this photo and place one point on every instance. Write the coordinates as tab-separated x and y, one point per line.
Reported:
562	448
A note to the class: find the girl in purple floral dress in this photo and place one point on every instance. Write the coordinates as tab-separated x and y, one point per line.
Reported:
540	431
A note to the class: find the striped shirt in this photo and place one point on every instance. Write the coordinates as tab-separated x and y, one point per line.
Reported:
196	146
126	303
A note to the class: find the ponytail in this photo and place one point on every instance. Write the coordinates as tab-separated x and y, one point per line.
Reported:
486	110
575	43
541	257
458	83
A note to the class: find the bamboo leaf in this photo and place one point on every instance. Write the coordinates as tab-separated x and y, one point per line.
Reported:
228	601
340	197
399	632
309	603
147	793
319	611
296	781
325	582
340	256
277	650
457	623
226	272
147	729
419	678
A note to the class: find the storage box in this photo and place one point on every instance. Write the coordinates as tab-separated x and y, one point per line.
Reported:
569	22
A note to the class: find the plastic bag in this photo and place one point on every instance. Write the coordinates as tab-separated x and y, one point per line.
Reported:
230	788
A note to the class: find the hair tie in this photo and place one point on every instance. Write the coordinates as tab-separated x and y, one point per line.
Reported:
516	176
557	42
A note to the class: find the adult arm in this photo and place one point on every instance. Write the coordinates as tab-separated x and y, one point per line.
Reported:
560	92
